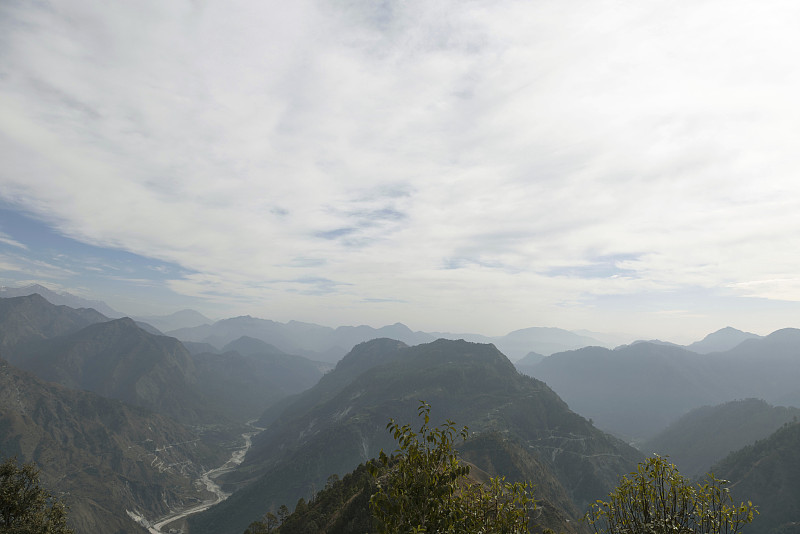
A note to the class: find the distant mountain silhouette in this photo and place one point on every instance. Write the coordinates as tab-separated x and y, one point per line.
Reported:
721	340
532	358
305	339
519	343
330	344
340	422
705	435
32	318
60	298
248	376
118	359
636	390
174	321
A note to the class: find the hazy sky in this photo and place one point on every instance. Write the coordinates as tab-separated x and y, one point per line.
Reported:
464	166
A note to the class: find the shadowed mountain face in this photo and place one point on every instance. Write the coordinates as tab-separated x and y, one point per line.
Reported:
32	318
768	474
342	506
105	457
60	299
341	422
250	375
636	390
706	435
120	360
721	340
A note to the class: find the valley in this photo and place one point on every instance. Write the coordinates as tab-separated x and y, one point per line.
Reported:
146	432
207	480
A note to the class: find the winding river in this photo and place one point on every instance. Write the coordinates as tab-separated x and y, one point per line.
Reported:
208	480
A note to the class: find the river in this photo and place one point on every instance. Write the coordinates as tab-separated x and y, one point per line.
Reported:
208	480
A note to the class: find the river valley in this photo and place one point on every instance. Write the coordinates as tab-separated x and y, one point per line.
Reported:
208	480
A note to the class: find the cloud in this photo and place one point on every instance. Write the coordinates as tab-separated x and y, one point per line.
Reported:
14	263
8	240
421	149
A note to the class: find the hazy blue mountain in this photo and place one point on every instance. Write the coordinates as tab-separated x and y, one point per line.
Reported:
150	329
520	343
304	339
199	348
765	368
119	360
174	321
705	435
104	456
248	376
768	474
60	298
632	391
33	318
340	422
530	359
636	390
330	344
608	339
721	340
657	342
249	345
242	387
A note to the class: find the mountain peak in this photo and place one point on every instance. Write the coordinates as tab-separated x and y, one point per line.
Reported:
721	340
59	298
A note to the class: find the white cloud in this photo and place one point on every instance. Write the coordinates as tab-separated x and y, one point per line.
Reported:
8	240
371	146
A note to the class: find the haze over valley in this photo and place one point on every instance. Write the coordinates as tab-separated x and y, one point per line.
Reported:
174	408
238	239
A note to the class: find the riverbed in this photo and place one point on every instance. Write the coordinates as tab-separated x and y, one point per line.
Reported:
207	479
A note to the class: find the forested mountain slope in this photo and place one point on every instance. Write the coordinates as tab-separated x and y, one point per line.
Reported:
705	435
32	318
768	474
118	359
104	456
341	422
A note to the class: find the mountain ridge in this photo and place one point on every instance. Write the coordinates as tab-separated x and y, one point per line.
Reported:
106	456
341	422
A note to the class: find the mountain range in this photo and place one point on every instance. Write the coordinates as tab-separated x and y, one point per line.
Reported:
103	456
328	344
636	390
116	358
60	298
706	435
132	417
767	473
520	427
321	342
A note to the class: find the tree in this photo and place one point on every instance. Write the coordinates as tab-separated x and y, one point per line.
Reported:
26	507
427	488
657	499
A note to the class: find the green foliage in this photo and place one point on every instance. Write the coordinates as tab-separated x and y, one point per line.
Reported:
26	507
341	507
427	488
657	499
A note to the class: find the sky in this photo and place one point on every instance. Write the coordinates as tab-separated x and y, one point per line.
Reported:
466	166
